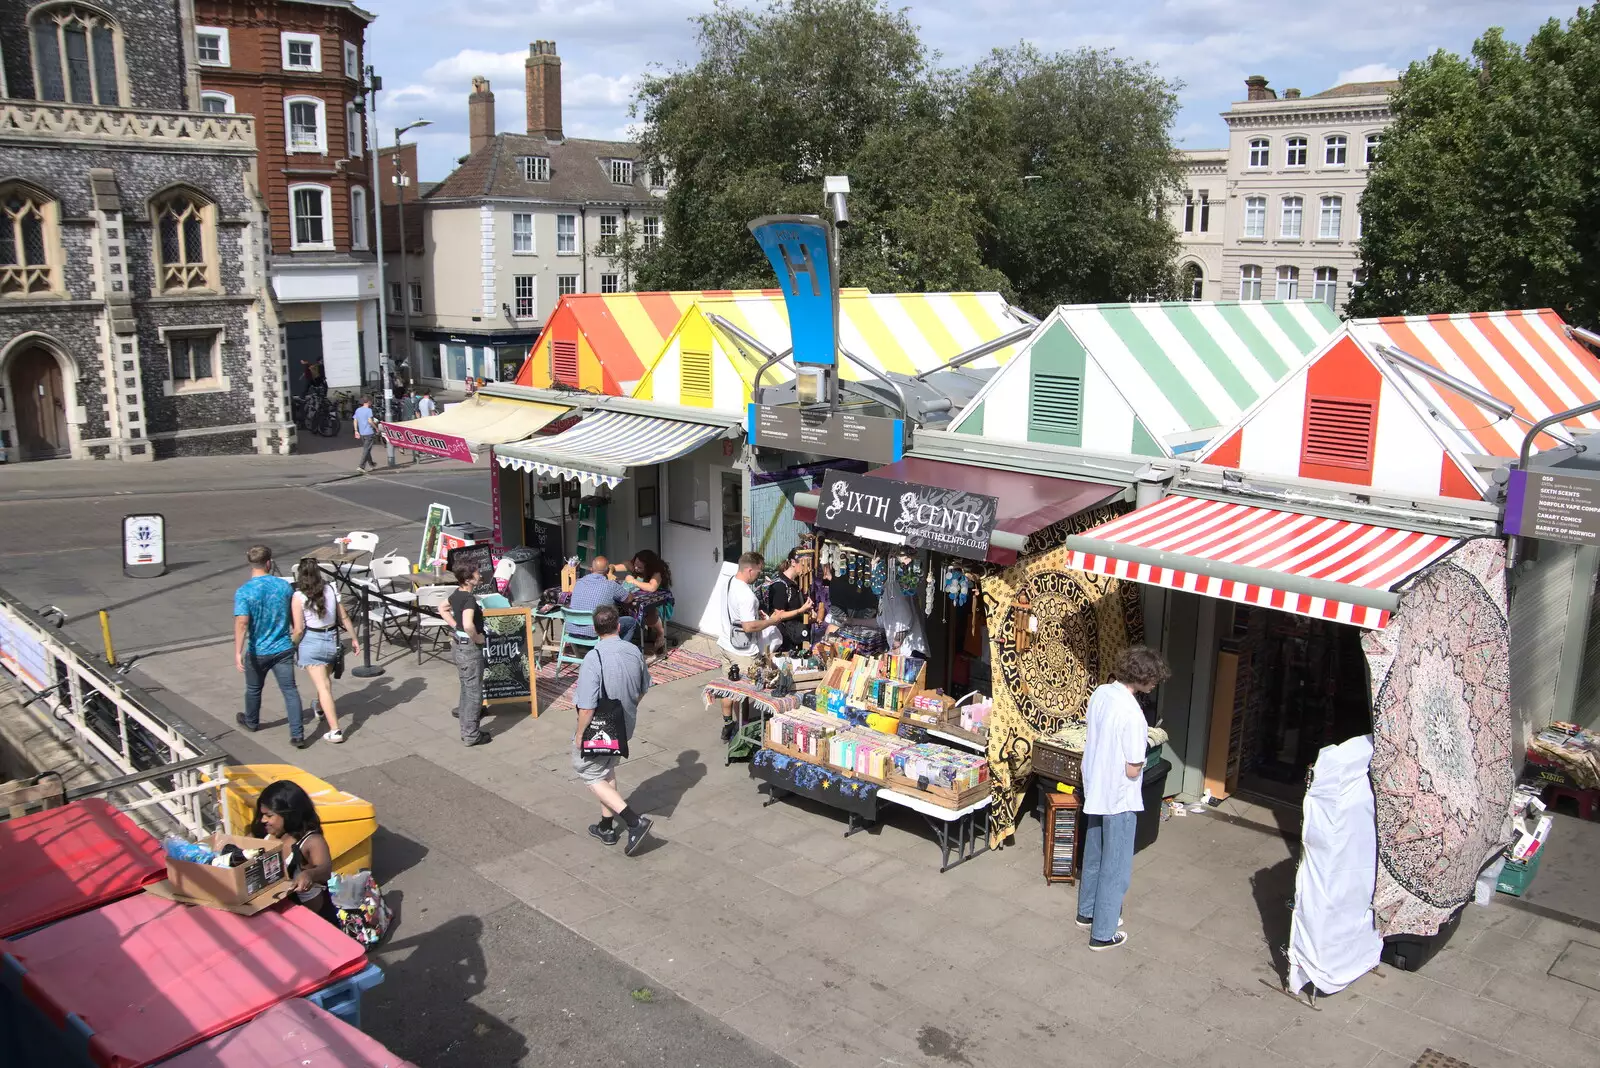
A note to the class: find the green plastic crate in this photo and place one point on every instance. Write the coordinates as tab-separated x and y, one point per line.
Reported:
1516	878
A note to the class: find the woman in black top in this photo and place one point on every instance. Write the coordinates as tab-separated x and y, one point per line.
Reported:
785	595
461	611
285	811
648	573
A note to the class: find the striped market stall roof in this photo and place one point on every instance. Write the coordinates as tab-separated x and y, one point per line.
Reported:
1524	358
1148	379
602	342
1261	556
601	448
703	366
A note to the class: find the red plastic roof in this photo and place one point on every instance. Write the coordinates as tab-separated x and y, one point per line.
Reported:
67	860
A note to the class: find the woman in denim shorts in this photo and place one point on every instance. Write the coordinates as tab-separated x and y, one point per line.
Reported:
318	618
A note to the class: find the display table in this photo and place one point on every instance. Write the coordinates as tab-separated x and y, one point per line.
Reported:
965	831
747	738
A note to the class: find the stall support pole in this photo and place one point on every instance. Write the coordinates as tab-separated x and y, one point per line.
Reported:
367	670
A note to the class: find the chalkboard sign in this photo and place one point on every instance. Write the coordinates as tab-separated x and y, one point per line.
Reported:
480	556
509	671
432	530
949	521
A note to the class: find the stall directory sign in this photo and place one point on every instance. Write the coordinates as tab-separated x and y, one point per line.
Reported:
953	522
1553	507
846	435
508	673
144	545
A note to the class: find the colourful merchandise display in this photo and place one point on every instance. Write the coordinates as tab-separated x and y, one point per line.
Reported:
940	765
867	753
802	731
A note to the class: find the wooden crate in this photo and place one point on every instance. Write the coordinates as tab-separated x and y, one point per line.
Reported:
943	796
1062	838
821	756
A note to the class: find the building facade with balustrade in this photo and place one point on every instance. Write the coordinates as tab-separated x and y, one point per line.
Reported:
135	315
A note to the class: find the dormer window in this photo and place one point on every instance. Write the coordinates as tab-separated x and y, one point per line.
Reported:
658	177
535	168
622	172
75	56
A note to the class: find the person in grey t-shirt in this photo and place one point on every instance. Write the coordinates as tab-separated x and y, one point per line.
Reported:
621	665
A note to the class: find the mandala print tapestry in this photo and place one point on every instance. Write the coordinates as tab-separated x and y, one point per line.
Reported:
1083	621
1441	716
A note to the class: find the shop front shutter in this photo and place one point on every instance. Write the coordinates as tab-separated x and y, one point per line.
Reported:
564	362
696	378
1340	432
1056	412
1539	597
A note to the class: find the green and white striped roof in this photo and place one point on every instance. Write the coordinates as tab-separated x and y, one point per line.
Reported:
1151	379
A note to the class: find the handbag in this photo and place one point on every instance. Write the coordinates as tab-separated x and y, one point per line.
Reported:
338	661
358	904
607	731
737	636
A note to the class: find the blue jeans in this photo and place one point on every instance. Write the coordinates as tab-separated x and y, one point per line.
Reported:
1107	870
281	665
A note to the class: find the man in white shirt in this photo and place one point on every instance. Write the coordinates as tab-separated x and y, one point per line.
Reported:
745	632
425	405
1113	780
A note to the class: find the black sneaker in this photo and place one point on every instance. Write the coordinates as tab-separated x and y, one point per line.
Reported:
483	738
729	729
1116	940
455	713
301	743
238	717
608	836
1087	922
636	836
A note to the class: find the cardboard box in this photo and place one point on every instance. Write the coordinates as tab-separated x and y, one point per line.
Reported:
231	886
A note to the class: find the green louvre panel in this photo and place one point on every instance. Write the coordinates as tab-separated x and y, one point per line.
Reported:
1055	395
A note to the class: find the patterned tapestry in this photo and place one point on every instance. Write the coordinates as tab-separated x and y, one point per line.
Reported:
1084	620
1441	714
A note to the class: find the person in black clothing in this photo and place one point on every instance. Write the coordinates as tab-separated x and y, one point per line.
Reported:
785	595
312	378
462	612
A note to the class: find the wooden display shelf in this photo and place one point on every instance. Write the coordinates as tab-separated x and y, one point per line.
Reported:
820	758
943	796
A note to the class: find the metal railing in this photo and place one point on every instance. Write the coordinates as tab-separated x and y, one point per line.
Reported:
153	757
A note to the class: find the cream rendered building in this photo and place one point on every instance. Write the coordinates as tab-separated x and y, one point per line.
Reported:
1276	214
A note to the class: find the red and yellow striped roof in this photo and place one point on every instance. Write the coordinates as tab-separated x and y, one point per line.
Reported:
618	334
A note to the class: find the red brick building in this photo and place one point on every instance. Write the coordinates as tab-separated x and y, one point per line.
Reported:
297	66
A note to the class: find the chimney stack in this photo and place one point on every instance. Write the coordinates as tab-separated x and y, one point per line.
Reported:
1255	88
480	115
1291	94
543	75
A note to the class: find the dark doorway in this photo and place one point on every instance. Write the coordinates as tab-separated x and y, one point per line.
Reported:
303	342
41	401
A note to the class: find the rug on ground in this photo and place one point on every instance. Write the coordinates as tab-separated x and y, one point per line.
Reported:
555	688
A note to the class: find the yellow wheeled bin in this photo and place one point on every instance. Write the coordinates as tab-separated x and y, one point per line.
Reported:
348	822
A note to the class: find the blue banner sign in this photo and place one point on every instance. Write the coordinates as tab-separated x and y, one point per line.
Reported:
797	246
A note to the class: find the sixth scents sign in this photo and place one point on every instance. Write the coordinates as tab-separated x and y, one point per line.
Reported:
953	522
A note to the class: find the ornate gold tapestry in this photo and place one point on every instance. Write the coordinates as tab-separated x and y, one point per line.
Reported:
1083	621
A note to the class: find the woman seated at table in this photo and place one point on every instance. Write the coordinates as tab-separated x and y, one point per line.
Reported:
648	573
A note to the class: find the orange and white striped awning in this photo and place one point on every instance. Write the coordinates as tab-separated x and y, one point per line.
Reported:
1307	564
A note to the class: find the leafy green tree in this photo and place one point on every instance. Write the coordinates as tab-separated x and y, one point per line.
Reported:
1486	194
1037	175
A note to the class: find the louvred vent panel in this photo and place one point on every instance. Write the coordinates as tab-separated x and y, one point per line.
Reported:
1340	431
564	361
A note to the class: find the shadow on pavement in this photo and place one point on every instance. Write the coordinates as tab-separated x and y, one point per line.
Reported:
660	793
1273	889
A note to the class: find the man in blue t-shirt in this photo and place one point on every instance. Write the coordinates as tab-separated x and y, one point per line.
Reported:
366	433
598	588
261	642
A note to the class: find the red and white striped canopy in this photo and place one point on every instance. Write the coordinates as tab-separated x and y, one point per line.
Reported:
1195	536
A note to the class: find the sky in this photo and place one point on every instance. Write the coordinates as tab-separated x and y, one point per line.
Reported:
428	50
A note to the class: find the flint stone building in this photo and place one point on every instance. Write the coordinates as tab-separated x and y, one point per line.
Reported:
135	321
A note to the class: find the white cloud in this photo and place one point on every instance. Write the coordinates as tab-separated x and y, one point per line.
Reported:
1367	72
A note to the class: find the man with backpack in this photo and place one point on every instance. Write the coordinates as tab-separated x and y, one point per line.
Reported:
611	680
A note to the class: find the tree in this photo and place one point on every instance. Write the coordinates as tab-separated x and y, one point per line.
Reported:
1485	195
1037	175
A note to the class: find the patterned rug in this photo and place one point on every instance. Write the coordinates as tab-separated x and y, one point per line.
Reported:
555	689
1432	1058
1441	715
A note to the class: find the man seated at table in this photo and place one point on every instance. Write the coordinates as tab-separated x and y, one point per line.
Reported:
598	588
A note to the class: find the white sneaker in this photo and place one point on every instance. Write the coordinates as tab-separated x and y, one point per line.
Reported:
334	736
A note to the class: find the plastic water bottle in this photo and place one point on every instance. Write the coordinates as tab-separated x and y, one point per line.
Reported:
181	849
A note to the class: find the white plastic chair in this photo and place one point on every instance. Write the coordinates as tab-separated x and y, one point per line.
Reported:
385	569
432	631
360	541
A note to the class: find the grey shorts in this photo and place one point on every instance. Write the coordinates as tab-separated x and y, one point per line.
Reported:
593	769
